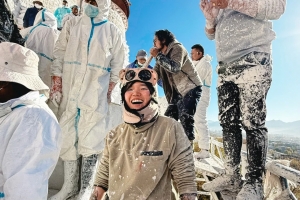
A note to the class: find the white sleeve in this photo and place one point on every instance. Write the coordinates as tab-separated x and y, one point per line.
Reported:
203	70
31	155
59	50
118	55
259	9
270	9
210	36
66	17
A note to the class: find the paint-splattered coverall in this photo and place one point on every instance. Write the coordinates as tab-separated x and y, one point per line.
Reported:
243	43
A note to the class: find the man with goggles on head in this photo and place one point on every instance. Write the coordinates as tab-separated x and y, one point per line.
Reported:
181	82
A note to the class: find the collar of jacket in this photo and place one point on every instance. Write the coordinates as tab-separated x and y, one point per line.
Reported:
171	45
27	99
142	128
142	116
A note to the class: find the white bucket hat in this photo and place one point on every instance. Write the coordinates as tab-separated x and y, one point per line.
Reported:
20	65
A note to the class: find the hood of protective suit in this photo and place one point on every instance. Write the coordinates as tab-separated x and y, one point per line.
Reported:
206	58
47	18
103	6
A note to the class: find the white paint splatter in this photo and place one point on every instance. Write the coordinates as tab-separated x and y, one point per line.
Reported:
154	178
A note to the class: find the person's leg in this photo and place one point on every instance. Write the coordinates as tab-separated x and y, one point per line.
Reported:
70	186
187	108
88	171
229	117
201	127
69	154
253	108
172	109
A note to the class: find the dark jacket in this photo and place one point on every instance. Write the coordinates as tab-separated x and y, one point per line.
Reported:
29	17
135	65
176	70
9	31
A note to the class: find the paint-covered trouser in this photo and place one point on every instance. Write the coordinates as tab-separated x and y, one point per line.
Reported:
242	89
202	134
184	108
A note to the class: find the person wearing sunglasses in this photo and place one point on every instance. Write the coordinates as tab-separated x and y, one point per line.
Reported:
88	56
144	153
180	79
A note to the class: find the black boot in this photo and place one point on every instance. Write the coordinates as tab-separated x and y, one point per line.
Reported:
257	146
88	170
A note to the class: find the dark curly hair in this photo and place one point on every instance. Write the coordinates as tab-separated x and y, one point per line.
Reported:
165	35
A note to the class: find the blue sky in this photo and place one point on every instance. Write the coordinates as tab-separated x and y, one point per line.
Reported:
186	21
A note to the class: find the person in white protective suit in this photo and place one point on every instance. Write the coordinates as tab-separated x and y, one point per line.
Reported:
88	56
74	13
41	38
29	132
204	69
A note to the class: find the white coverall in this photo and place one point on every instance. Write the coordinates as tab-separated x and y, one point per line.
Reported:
66	18
30	144
204	69
88	56
41	38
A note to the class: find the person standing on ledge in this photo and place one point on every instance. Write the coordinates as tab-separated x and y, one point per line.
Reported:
243	33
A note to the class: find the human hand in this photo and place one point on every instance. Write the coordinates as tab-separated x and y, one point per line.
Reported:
154	51
110	89
220	4
210	13
209	10
188	196
97	194
56	90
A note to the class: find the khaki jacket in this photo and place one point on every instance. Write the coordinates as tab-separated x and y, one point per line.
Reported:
176	70
138	163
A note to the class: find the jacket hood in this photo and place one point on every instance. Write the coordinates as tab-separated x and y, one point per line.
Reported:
45	17
103	6
27	99
206	58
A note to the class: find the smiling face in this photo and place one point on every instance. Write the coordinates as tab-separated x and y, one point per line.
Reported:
137	96
75	11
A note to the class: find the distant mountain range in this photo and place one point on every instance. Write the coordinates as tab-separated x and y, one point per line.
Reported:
274	127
